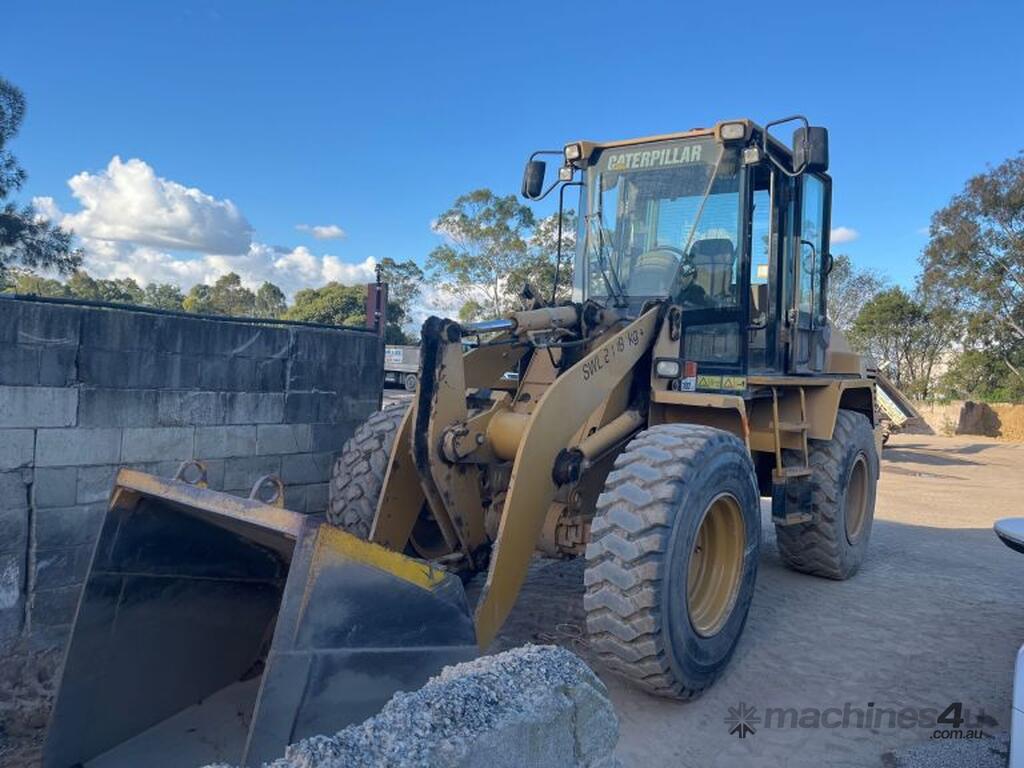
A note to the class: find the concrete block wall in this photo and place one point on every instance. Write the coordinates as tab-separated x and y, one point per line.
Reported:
86	390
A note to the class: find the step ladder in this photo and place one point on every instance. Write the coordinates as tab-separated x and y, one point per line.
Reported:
791	485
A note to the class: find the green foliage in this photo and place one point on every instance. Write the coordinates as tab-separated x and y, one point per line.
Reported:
983	374
25	239
28	283
227	296
849	289
907	335
405	283
537	268
164	296
975	255
269	302
333	304
486	242
123	290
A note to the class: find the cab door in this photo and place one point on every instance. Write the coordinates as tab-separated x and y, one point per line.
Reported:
808	325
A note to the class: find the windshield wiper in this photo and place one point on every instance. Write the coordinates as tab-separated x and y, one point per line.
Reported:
613	285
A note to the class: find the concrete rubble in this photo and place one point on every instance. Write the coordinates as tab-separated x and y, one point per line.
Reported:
530	706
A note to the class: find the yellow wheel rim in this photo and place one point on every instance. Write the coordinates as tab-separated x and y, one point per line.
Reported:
856	498
716	565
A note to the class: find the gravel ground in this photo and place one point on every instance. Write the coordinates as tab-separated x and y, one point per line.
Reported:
935	616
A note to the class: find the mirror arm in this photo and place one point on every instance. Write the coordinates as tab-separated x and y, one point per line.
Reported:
558	247
768	154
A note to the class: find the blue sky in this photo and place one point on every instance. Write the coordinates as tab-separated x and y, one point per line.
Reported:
375	116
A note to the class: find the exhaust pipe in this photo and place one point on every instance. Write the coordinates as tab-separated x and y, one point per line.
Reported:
216	628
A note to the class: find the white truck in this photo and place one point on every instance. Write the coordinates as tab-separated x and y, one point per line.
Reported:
401	366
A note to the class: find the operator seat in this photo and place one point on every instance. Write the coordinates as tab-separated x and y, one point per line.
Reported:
714	259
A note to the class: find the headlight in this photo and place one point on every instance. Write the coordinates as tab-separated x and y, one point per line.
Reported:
565	173
732	131
573	152
667	369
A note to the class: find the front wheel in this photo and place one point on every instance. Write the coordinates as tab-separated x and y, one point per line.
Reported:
672	559
410	382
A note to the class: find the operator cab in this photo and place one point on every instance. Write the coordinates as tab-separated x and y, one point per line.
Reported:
723	221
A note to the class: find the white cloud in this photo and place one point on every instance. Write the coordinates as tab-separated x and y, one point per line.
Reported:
322	231
843	235
291	270
128	203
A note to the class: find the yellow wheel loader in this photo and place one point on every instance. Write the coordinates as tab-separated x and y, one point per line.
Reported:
693	373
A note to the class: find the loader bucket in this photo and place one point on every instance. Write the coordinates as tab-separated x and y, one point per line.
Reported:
213	628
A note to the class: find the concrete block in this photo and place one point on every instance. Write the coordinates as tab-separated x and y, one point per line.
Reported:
61	527
55	487
317	497
14	489
224	442
43	324
19	364
249	340
329	437
309	407
17	448
77	447
304	468
156	443
270	375
58	365
37	406
215	473
12	580
61	567
54	607
116	407
13	530
191	407
228	373
50	641
255	407
284	438
120	330
95	483
295	498
241	473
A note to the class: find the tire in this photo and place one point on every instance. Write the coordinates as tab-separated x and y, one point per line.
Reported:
358	475
844	475
667	482
410	382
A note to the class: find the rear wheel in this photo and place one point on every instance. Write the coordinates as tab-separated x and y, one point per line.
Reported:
410	382
844	477
358	479
672	559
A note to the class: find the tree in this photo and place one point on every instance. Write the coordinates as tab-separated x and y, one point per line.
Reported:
539	267
405	283
486	242
270	301
975	255
28	283
164	296
849	289
122	290
227	296
907	334
25	238
332	304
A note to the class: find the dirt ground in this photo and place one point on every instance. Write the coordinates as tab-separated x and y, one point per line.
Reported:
934	616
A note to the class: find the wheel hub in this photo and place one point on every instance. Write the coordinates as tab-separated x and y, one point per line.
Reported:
716	565
856	498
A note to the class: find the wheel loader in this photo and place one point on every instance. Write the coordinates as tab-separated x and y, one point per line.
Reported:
693	373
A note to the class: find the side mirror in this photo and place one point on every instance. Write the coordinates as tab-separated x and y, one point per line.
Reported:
533	179
810	149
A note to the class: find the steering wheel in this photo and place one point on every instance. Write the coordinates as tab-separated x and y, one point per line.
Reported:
653	271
